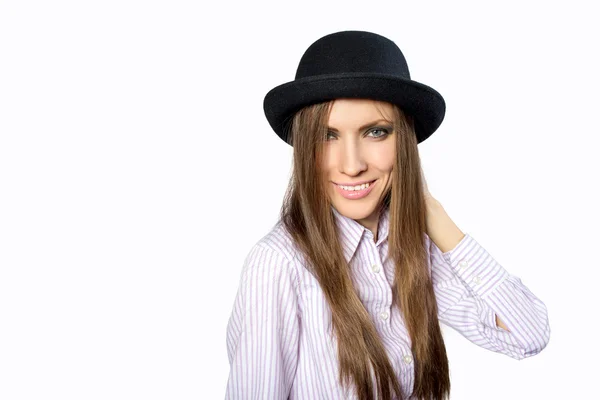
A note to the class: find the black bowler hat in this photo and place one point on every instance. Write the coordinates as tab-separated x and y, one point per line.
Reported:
354	64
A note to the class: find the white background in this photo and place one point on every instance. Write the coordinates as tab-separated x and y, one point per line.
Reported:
137	170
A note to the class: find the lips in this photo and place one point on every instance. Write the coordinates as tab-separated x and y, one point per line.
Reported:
355	194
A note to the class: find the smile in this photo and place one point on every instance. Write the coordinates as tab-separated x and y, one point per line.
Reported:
355	192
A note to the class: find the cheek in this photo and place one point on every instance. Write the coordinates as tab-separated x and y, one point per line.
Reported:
384	159
329	163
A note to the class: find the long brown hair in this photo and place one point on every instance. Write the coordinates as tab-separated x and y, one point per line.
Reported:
307	215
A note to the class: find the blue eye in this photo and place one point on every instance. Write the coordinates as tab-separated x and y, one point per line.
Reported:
385	132
381	130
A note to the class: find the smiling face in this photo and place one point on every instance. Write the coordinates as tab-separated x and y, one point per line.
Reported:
360	147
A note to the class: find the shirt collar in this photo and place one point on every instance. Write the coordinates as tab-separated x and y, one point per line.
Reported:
351	232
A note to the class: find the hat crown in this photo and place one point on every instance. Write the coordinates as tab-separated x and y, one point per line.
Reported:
354	64
353	52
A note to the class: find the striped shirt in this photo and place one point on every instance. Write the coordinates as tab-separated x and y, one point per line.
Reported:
279	336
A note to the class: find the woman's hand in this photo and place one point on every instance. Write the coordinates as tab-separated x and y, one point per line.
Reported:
440	227
427	195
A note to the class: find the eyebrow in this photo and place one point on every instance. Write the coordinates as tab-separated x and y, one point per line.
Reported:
370	124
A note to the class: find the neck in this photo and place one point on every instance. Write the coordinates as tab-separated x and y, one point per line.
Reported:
371	223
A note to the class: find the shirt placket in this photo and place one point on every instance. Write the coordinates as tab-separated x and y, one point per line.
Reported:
402	360
382	305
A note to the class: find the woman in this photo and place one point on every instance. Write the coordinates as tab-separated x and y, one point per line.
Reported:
343	297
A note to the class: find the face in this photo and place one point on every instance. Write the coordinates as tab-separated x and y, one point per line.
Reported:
360	147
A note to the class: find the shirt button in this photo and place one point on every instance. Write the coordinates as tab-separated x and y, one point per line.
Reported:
477	280
463	264
384	315
407	359
375	268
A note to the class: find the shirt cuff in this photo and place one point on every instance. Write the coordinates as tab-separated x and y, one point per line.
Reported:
475	266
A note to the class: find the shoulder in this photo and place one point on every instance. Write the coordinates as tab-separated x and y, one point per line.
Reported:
280	242
274	254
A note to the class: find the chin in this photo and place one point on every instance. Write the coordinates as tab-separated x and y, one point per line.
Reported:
356	211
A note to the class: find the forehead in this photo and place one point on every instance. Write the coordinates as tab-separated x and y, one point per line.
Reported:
354	112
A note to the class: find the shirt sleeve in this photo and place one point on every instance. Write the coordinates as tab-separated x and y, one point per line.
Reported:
262	332
471	288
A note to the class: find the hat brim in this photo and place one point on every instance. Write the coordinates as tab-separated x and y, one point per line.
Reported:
424	103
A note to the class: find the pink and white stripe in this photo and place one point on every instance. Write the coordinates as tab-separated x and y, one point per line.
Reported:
279	338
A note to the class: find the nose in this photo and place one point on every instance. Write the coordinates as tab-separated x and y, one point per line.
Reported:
352	160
